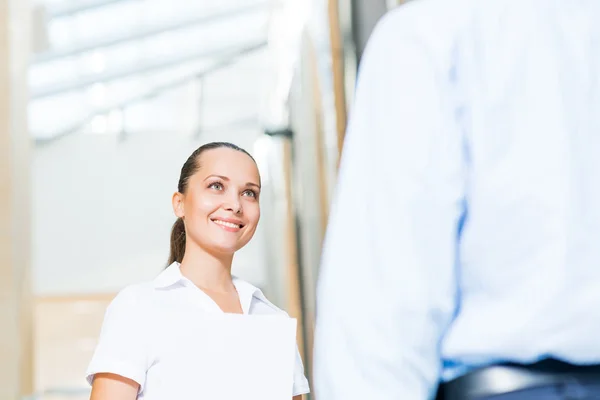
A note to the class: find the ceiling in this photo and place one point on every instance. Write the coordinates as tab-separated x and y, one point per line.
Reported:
108	63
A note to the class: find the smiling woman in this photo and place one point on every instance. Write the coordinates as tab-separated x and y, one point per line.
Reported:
217	209
206	190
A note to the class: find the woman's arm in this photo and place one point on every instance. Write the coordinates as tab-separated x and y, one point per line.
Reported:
118	367
114	387
299	397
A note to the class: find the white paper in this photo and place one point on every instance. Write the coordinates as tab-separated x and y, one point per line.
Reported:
245	357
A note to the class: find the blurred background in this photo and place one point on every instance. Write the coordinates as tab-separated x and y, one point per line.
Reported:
101	102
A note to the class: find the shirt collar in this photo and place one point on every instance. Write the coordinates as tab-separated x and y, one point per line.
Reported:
247	292
172	275
169	277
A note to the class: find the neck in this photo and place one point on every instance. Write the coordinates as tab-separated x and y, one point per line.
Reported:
206	270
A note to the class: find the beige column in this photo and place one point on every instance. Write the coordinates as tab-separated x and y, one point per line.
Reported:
16	358
337	66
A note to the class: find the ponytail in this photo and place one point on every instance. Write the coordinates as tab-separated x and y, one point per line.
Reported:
177	242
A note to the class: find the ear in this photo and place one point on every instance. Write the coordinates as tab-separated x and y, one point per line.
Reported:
177	202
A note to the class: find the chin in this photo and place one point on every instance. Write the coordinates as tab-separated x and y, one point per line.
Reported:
226	248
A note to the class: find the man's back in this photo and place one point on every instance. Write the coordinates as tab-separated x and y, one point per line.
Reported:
530	245
477	127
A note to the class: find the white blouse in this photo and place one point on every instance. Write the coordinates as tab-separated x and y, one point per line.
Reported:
131	331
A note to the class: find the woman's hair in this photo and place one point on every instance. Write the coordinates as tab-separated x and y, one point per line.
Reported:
190	167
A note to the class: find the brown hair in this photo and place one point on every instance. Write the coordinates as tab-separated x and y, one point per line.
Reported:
190	167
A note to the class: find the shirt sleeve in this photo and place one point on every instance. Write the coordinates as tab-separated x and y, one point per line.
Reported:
387	284
300	382
122	348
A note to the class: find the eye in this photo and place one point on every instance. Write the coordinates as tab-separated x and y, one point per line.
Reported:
250	193
216	186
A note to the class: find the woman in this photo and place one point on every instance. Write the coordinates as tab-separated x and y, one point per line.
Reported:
217	209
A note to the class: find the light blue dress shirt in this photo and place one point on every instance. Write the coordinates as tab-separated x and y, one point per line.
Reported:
465	228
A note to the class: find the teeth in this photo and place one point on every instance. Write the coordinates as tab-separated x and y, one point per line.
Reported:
228	224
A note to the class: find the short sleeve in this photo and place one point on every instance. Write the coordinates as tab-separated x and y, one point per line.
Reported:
122	348
300	382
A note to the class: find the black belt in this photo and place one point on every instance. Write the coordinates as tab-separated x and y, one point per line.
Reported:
506	378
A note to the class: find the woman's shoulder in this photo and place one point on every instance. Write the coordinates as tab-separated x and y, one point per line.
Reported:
133	296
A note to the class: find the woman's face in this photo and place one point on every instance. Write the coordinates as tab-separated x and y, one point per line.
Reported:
221	205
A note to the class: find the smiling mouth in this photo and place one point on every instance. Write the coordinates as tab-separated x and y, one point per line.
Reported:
227	224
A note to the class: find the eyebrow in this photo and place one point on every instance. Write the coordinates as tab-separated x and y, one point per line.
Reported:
248	184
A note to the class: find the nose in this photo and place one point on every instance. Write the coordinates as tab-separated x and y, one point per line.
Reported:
234	205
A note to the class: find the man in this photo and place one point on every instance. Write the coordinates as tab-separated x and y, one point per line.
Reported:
464	240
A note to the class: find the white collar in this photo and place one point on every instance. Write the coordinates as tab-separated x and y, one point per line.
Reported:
172	275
